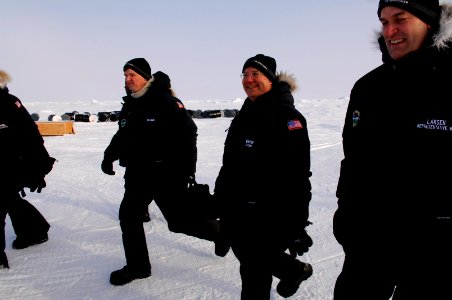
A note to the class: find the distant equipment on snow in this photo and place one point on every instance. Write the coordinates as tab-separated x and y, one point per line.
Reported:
113	116
35	117
54	118
215	113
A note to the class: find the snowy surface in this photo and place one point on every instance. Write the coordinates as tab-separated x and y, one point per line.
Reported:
81	204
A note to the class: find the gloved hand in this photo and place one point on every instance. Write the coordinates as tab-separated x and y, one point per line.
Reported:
37	185
107	167
191	179
48	165
300	245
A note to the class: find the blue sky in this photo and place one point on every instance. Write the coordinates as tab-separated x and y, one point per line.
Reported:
75	50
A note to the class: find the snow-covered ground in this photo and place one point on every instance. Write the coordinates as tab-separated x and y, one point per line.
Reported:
81	204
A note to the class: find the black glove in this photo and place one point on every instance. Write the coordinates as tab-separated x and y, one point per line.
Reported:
37	185
107	167
300	245
48	166
191	180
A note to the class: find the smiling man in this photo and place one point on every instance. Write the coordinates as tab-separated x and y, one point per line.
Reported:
406	24
394	197
264	183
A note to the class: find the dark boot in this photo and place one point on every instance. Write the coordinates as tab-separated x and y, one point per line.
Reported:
221	247
126	275
290	283
27	241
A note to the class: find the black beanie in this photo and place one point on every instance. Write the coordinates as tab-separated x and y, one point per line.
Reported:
139	65
426	10
162	80
265	64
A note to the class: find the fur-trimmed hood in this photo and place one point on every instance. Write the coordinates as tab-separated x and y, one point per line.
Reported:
4	79
441	40
444	33
289	79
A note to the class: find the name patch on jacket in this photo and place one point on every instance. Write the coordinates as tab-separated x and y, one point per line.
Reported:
294	125
435	124
180	105
18	104
249	143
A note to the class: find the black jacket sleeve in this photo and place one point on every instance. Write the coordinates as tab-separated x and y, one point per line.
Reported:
33	160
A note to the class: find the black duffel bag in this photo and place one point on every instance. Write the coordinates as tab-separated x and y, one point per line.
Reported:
200	201
198	213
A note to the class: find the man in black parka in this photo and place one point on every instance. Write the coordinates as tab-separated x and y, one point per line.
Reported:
156	143
263	185
394	192
24	162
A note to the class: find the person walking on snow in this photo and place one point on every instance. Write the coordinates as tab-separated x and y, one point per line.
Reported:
263	186
156	143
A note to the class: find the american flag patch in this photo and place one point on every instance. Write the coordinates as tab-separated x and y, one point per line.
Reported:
180	105
294	124
18	104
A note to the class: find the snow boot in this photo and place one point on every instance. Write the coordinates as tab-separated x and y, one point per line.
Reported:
24	242
126	275
289	285
221	248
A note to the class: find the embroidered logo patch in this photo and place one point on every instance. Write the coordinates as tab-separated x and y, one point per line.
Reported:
294	125
18	104
249	143
356	117
180	105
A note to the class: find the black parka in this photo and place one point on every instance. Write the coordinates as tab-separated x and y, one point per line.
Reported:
266	163
395	177
23	156
155	127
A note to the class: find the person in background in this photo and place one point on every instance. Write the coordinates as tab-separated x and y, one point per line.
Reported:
263	187
394	197
156	143
24	162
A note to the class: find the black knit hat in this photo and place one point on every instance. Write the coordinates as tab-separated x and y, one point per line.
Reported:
139	65
161	80
265	64
426	10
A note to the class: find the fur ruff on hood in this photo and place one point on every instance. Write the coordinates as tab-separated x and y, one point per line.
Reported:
444	33
289	79
4	79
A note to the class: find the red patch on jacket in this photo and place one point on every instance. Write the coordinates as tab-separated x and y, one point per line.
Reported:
294	125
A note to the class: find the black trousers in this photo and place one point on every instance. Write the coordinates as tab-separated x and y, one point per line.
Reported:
167	189
26	220
416	267
261	253
365	275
